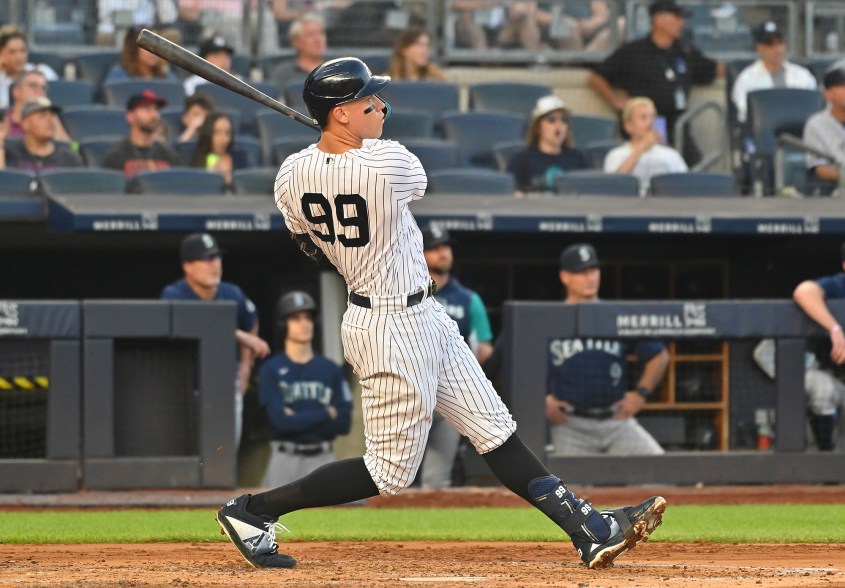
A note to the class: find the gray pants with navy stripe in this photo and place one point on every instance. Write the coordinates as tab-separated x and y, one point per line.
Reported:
582	436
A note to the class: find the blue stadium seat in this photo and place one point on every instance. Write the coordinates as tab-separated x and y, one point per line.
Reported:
434	154
15	182
596	151
475	133
517	97
588	129
596	183
292	94
117	93
256	181
70	93
180	180
286	146
56	61
435	97
82	122
405	123
249	109
693	184
60	182
504	150
485	182
93	67
94	149
273	127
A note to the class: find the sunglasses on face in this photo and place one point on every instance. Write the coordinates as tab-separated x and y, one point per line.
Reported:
553	118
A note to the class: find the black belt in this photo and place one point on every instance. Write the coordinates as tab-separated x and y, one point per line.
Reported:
307	450
599	414
413	299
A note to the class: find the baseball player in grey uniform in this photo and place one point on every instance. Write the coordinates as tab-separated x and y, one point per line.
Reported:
346	197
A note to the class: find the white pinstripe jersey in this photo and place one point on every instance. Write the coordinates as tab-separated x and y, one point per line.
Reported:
354	206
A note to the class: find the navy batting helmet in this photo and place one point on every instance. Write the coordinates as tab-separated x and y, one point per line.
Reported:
337	82
292	302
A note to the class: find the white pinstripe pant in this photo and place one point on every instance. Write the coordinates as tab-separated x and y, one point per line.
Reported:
409	361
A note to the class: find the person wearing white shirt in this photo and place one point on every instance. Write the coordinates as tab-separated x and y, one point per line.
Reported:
772	70
14	60
643	155
217	51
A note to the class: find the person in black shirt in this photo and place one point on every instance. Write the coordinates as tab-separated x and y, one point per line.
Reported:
38	151
660	66
140	151
549	152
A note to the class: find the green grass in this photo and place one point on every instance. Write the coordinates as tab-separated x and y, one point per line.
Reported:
740	524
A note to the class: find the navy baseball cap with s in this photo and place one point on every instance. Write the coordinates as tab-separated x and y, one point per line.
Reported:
578	257
434	236
199	246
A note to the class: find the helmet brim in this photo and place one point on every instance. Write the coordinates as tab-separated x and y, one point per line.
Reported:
375	85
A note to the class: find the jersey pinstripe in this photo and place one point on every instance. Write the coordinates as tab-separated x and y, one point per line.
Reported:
386	261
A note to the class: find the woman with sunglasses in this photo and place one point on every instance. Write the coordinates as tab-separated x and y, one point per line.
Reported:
549	152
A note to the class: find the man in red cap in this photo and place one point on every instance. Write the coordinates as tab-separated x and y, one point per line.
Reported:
140	151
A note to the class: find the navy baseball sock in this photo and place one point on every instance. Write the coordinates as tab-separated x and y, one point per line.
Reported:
338	482
526	476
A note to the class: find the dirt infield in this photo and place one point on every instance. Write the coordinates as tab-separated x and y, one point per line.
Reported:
392	564
383	565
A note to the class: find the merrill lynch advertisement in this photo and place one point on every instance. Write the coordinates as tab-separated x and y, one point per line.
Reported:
687	319
39	319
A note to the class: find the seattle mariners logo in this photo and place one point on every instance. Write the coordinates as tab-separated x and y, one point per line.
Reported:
9	314
584	253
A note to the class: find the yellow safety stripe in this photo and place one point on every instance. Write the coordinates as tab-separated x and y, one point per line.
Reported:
24	382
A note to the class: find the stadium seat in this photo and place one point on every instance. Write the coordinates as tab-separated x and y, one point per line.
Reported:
771	113
596	183
286	146
434	154
504	150
59	182
516	97
255	181
693	184
292	94
248	108
94	149
588	129
70	93
93	67
118	93
596	151
82	122
180	180
475	133
273	127
15	182
408	123
471	181
54	60
435	97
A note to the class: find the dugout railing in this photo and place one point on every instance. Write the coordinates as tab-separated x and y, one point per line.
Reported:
529	326
116	394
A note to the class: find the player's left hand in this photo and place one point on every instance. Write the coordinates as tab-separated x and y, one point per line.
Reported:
630	405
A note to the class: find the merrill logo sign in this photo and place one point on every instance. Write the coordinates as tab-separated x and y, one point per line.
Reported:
9	320
691	321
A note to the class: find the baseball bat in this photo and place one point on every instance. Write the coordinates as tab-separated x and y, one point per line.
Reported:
195	64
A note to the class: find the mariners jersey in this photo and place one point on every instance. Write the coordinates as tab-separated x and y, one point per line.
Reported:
247	314
592	373
466	308
354	206
307	389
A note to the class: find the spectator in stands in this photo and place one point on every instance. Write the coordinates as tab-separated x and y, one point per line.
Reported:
140	151
549	152
29	85
217	51
824	130
214	150
659	66
38	151
825	391
136	62
411	59
467	309
643	155
112	15
772	70
305	395
14	60
308	37
589	405
197	108
484	23
203	272
581	26
286	12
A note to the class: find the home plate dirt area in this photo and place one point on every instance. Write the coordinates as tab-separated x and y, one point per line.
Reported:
440	564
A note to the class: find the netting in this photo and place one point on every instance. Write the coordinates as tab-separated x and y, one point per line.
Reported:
24	388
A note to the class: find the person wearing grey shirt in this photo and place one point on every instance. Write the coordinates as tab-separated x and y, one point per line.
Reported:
308	36
824	130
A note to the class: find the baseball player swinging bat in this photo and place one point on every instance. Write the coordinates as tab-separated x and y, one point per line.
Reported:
195	64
